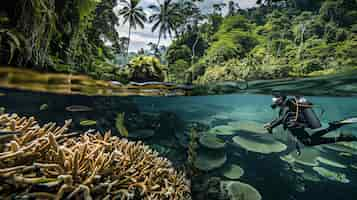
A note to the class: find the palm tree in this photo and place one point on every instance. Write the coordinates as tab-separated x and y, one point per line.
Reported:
133	14
166	18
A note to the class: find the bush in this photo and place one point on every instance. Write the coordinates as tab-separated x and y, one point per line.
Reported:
235	70
145	68
177	71
178	52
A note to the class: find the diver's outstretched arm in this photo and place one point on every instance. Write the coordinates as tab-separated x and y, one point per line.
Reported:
283	115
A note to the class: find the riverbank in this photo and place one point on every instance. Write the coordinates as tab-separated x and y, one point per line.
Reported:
342	84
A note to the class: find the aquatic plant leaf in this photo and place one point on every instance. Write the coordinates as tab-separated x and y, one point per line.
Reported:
119	124
88	122
44	107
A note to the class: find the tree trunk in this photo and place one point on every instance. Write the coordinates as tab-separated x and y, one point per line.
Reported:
194	48
158	43
127	50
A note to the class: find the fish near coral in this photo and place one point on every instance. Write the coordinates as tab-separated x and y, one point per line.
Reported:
119	124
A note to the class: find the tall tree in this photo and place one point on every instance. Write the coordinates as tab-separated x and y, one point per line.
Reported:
166	18
132	14
231	8
218	7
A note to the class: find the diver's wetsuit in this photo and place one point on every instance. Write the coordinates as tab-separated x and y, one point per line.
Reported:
287	117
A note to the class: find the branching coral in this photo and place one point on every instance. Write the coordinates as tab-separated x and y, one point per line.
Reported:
49	163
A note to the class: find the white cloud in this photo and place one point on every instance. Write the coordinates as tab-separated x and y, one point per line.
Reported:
141	37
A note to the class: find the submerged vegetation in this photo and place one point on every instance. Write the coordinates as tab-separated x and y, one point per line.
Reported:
280	38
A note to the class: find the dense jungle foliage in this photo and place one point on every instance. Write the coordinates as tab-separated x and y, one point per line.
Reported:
59	35
276	39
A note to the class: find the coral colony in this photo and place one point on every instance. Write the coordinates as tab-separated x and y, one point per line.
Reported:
48	162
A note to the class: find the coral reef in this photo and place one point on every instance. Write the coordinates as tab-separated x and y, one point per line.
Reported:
48	162
192	153
232	172
237	190
259	143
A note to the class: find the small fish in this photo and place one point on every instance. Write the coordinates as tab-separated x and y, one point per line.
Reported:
88	122
44	107
78	108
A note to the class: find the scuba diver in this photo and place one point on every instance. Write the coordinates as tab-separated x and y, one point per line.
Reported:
296	115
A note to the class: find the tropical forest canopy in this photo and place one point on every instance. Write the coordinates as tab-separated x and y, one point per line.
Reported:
276	39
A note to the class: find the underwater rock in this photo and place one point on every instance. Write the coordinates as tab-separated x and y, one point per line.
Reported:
331	175
222	130
209	160
49	163
259	143
249	126
232	172
213	188
78	108
141	134
237	190
212	142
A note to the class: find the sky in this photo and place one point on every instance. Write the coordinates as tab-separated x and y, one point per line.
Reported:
141	37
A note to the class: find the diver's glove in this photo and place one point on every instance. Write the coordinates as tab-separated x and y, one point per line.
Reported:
269	128
298	150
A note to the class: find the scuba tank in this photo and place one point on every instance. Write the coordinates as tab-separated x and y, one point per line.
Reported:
308	113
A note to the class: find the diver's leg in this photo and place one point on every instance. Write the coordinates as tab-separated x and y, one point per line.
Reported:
322	132
329	140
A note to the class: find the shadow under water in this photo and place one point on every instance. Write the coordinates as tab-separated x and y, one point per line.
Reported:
233	148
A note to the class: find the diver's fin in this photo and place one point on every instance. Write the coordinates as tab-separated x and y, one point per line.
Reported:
351	120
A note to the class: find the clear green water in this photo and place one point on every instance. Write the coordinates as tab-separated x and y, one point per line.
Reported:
172	117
